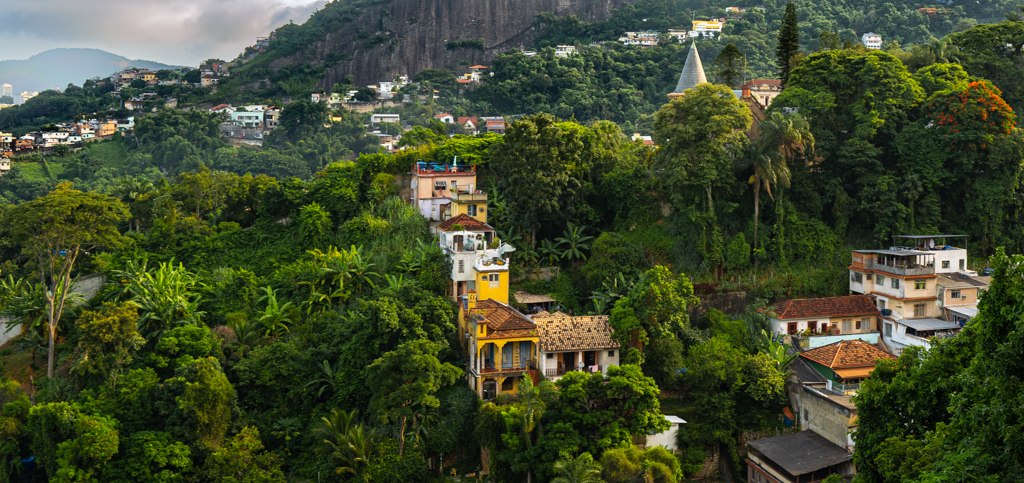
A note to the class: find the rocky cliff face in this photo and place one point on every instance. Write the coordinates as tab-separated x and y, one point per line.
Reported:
417	33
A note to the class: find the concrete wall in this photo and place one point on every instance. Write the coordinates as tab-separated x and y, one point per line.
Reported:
4	335
728	303
816	412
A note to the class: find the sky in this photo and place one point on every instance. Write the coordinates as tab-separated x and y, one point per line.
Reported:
177	32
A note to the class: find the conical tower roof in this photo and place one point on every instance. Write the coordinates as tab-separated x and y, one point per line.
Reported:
693	72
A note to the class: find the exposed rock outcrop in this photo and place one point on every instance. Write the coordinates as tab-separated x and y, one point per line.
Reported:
418	32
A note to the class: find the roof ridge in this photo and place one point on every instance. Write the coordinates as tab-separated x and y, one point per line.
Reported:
839	349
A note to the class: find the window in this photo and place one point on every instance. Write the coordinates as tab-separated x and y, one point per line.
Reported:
895	283
462	266
865	323
507	384
495	280
963	264
945	264
455	184
918	284
471	210
888	329
611	353
791	328
807	415
856	277
847	325
812	326
857	324
440	184
919	310
954	294
550	355
867	276
880	280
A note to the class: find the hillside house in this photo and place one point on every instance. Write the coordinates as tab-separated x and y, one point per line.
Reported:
503	348
376	119
871	40
469	124
836	315
445	118
903	281
5	166
565	50
958	295
435	186
707	28
763	90
845	364
495	125
580	343
798	457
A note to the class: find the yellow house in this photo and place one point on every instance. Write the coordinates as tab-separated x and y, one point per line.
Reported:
465	202
503	348
107	129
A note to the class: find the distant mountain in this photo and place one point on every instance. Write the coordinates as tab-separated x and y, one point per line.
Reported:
60	67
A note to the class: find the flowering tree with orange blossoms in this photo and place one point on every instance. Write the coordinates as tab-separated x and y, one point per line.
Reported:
970	117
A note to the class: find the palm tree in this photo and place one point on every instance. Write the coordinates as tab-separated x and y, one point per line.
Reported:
533	400
912	189
575	242
346	442
275	317
581	469
246	335
781	138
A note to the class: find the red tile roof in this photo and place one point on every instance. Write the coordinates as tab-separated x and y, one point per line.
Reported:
219	107
502	320
847	353
763	82
464	120
560	332
468	223
479	67
825	307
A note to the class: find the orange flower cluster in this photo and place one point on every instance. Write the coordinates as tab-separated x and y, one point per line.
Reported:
972	115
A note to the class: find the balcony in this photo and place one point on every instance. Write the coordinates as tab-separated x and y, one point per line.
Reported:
560	371
463	196
435	168
903	270
517	367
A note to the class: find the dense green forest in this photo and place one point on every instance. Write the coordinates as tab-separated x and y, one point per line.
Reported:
283	315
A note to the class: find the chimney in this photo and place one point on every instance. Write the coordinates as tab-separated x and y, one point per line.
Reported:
746	91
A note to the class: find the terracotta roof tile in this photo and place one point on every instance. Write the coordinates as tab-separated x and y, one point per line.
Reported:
825	307
467	222
502	320
560	332
847	353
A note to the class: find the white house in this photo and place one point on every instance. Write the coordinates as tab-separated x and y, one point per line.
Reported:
379	118
565	50
445	118
667	438
871	40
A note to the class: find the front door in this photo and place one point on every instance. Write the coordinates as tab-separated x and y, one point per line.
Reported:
490	389
589	359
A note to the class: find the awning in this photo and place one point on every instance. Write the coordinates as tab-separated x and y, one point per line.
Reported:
928	324
854	372
969	311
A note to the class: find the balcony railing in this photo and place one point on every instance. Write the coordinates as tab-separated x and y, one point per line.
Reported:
908	270
843	389
443	168
488	367
467	196
558	372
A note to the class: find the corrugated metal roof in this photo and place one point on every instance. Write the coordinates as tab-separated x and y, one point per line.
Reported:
928	324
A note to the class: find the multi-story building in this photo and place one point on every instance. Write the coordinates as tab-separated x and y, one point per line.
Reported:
5	166
8	91
434	186
565	50
958	295
903	281
271	119
763	90
871	40
707	28
645	38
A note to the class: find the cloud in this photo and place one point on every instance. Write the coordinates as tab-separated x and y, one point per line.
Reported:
171	31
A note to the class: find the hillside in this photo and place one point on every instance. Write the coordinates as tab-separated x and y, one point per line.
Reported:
378	39
59	67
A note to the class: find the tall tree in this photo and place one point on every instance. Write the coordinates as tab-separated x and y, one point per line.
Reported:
56	230
730	65
405	382
345	442
789	42
781	138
